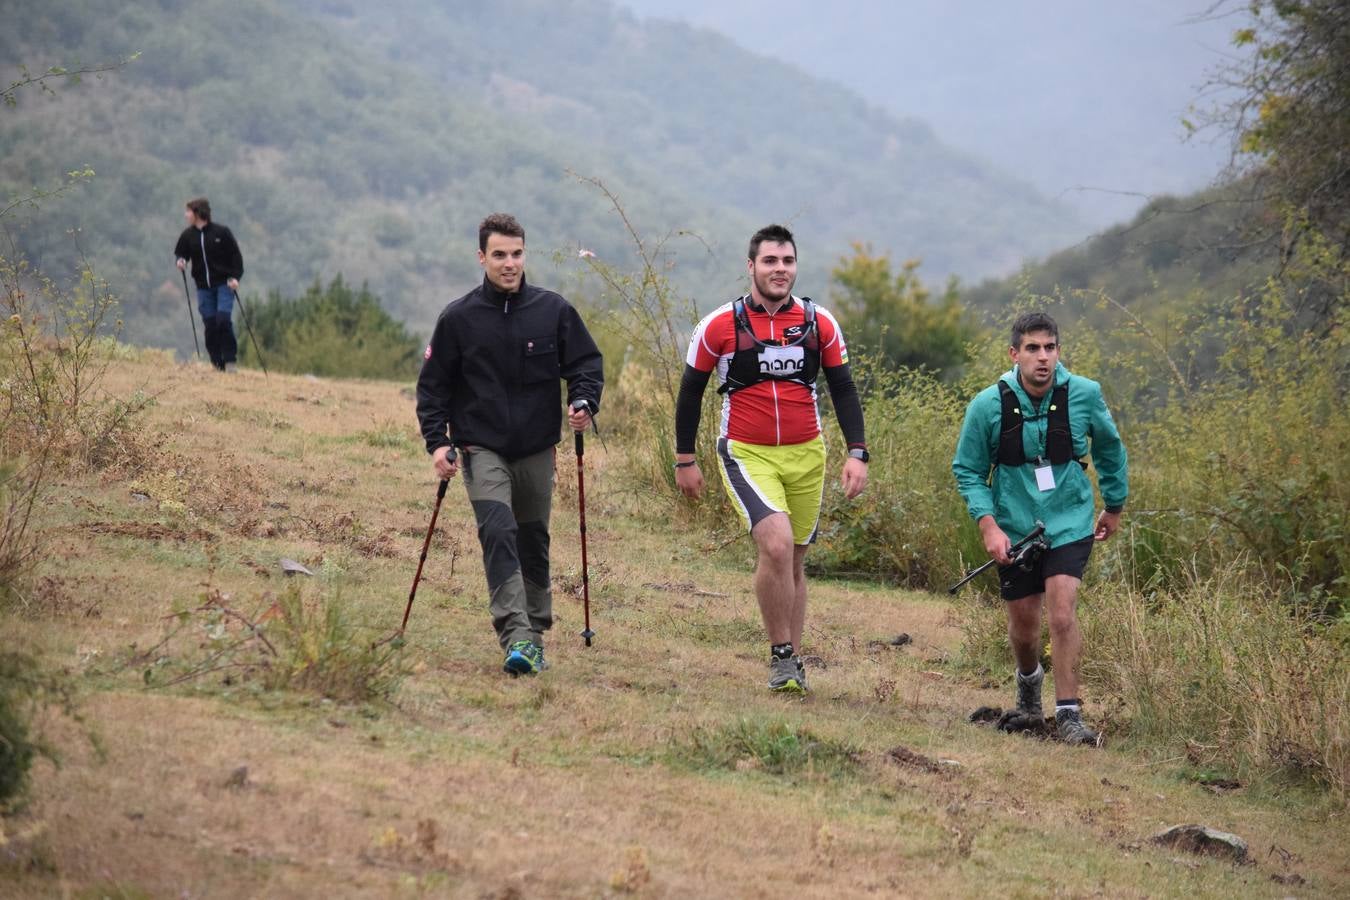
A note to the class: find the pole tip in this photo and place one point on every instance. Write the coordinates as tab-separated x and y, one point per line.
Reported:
588	634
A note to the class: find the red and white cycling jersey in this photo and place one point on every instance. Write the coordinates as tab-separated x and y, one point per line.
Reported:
770	412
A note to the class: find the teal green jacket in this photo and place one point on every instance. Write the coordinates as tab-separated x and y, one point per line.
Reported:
1010	494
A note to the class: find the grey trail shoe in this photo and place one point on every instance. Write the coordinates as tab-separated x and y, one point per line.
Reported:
785	677
1073	731
801	673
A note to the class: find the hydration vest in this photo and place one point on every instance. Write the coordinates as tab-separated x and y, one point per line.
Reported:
1058	439
754	361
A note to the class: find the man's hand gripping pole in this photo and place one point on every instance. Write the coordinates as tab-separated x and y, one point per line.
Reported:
1028	548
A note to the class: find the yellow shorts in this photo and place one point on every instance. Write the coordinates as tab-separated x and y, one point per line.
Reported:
763	479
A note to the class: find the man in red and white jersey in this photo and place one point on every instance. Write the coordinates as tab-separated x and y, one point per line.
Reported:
767	348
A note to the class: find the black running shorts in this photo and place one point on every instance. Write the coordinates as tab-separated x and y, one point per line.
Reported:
1069	559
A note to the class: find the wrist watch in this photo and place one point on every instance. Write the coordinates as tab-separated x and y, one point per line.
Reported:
860	453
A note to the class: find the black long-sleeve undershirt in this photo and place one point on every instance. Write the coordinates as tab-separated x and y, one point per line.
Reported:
843	393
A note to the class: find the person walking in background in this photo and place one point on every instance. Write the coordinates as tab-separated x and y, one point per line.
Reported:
217	266
488	401
1019	460
768	347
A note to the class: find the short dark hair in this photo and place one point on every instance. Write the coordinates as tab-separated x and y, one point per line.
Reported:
499	223
777	234
1028	322
201	208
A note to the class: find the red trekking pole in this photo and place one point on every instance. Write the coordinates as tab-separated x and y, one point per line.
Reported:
436	511
581	505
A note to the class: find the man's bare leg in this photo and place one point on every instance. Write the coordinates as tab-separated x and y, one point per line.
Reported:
775	586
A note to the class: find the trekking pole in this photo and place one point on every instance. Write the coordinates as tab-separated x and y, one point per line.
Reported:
581	506
191	318
436	511
1024	545
243	312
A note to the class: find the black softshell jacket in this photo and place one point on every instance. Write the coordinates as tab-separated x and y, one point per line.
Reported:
222	260
491	371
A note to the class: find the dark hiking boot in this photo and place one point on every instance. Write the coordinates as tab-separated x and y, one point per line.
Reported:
1029	693
1027	716
1073	731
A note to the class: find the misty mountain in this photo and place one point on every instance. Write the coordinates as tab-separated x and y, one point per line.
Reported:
1084	100
334	136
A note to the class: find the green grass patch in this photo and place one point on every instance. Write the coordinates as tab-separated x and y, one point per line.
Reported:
773	746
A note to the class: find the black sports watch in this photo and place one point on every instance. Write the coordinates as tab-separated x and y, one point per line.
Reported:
860	453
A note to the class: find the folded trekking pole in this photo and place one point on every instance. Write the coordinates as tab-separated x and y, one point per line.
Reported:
581	506
192	319
243	312
1028	548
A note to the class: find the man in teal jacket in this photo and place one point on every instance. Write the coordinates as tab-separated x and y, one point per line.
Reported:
1021	458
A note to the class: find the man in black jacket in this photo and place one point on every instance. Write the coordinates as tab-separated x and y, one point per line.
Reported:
488	396
217	266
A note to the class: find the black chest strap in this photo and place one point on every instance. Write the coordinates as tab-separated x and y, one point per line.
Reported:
745	368
1058	439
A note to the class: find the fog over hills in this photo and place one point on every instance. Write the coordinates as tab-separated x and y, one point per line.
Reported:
1084	100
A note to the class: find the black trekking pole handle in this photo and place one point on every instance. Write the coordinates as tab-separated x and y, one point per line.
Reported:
579	443
1035	533
191	318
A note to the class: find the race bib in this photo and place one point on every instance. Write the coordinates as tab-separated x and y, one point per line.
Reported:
782	361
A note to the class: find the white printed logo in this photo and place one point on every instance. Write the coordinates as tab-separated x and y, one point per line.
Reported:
782	361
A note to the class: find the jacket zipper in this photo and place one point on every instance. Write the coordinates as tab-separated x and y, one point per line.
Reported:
205	266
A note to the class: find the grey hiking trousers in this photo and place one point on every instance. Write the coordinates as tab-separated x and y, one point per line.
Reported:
511	502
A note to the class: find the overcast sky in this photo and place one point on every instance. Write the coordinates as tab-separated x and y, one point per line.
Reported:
1084	99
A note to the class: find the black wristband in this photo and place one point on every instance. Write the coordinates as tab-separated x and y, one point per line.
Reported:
685	465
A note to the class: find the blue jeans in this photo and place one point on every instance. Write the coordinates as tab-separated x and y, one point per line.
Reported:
216	305
217	300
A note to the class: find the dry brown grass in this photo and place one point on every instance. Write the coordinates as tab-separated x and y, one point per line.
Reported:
582	782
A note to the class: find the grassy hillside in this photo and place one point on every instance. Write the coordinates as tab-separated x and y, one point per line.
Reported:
341	137
652	764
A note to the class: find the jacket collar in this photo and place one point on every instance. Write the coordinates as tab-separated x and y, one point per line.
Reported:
1061	377
498	297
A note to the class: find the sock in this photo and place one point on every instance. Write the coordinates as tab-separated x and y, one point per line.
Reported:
781	651
1071	703
1031	676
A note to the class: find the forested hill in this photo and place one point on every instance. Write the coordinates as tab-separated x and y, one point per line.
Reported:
1177	257
368	139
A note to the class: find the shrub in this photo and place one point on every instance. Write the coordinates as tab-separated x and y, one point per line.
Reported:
910	527
297	643
1221	670
330	331
24	689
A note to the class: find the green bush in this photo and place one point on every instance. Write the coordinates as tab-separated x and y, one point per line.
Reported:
909	527
24	689
332	331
